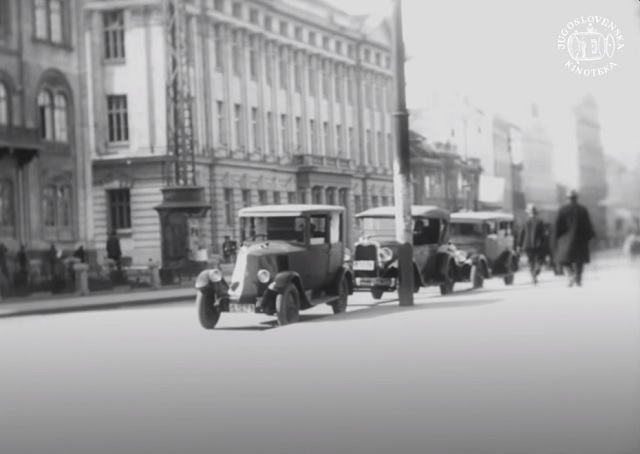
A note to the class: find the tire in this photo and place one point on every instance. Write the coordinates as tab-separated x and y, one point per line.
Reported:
477	276
376	293
288	305
207	313
340	306
447	287
509	278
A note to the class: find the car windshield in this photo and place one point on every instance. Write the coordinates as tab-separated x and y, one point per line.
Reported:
378	227
289	229
425	231
468	229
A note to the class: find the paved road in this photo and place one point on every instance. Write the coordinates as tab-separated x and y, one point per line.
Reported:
521	370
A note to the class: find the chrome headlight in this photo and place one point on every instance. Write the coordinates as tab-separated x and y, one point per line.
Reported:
264	276
347	255
215	275
385	254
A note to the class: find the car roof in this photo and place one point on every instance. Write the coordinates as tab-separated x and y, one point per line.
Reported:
288	210
417	211
474	216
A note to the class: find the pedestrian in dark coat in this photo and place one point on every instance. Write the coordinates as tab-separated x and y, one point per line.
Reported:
113	248
532	240
573	232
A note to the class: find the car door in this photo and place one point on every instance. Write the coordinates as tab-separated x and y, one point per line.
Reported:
319	251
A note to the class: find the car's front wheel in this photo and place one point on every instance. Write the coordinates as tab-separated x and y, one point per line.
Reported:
340	305
288	305
208	314
447	287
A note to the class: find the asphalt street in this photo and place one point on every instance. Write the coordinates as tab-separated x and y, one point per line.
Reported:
503	370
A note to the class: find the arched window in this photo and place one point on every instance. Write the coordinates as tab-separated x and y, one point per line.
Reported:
49	206
6	203
60	117
45	110
4	105
64	206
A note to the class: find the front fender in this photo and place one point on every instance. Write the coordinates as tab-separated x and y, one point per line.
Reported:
282	280
343	273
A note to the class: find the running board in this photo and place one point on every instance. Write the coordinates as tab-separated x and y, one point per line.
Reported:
324	300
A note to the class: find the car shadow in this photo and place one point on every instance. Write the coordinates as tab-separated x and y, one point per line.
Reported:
381	309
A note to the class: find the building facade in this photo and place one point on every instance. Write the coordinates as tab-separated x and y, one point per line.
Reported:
292	103
504	135
43	164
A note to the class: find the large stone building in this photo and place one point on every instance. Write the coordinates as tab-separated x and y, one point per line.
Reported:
292	103
592	183
42	152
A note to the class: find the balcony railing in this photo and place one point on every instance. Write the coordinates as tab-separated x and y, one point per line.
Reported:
331	162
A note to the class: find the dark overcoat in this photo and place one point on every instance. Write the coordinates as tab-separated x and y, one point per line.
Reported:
573	232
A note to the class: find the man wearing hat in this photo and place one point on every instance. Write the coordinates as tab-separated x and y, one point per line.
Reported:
532	239
573	232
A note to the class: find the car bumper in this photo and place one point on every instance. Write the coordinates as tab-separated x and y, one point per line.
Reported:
367	283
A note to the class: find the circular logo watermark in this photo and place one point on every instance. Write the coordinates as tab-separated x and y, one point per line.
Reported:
591	43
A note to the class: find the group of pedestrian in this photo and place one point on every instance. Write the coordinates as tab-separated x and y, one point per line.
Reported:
569	242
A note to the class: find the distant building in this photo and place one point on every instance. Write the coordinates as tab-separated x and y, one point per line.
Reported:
503	133
592	183
622	205
43	163
538	170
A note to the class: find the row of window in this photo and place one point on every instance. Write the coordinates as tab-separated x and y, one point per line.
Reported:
299	33
50	19
57	205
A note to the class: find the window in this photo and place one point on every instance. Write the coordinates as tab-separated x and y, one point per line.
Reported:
338	84
284	133
374	201
283	69
298	131
64	206
117	118
385	201
268	23
367	55
271	132
378	59
228	207
313	136
381	150
60	117
45	110
351	92
237	108
284	28
119	201
49	20
237	10
236	54
49	206
262	197
276	198
339	140
253	59
302	197
218	5
291	198
6	204
255	128
426	231
327	139
222	136
5	17
331	196
357	203
352	142
4	105
113	23
253	16
298	33
326	43
312	38
312	78
219	48
369	143
246	198
339	47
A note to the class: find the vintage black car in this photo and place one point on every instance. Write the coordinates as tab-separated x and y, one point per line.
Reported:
291	259
487	240
375	261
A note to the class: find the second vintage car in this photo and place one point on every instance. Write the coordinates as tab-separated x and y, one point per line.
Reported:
291	259
375	255
487	240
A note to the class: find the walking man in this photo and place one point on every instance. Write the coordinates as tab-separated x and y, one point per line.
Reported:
532	240
573	232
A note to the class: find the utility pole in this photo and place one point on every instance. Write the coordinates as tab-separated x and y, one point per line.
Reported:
402	171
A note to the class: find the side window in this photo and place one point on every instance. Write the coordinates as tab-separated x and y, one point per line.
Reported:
490	227
336	230
426	231
318	230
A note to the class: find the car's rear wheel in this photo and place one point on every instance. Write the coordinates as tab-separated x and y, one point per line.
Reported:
288	305
376	293
477	276
450	282
208	314
340	305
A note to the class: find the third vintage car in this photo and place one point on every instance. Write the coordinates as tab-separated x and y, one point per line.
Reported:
291	259
375	255
486	239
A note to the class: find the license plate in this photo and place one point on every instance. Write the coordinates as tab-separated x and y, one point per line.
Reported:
242	308
364	265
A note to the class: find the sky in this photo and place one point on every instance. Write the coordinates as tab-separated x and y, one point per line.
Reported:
504	53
